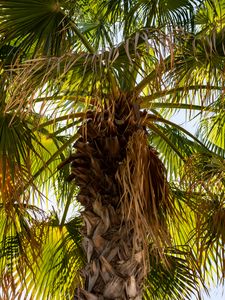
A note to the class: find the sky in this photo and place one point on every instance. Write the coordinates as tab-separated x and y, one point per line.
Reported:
216	293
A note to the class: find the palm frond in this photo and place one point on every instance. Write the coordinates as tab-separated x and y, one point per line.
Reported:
204	176
57	273
61	59
20	244
179	280
212	130
172	161
35	27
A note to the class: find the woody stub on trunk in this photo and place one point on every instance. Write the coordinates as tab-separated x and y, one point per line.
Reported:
124	193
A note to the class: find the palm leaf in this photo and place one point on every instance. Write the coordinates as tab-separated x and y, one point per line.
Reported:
35	26
178	281
170	158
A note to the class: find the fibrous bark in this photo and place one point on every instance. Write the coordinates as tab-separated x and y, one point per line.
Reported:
122	189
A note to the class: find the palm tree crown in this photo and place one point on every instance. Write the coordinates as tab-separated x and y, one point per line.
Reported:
102	195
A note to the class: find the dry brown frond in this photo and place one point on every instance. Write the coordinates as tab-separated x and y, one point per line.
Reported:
145	198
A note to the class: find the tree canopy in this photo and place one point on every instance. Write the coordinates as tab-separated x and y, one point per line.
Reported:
59	61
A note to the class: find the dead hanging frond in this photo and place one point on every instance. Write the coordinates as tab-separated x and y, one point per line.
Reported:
145	197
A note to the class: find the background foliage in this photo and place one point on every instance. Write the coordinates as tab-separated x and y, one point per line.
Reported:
59	59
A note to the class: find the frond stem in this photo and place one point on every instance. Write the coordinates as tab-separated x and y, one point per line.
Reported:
146	99
162	120
165	138
83	39
68	202
181	106
62	118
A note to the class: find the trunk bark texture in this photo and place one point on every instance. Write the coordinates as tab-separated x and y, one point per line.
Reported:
111	166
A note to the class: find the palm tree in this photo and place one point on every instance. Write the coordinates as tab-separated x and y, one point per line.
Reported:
105	77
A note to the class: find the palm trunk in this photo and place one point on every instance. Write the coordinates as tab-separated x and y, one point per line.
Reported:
114	267
121	200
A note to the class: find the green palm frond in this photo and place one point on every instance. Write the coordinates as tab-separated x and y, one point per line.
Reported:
177	281
161	13
200	228
212	130
210	237
8	54
57	273
16	142
171	159
203	167
201	59
204	181
210	14
35	26
144	13
45	266
64	61
23	153
19	243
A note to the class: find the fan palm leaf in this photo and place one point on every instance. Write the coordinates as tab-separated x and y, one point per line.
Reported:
69	80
